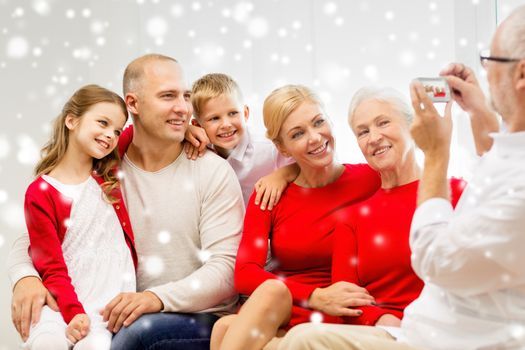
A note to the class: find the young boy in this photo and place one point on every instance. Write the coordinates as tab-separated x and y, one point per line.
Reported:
219	109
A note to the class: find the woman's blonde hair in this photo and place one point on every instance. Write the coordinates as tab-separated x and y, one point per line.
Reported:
53	152
281	103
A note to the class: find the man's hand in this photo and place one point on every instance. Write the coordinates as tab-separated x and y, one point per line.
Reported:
470	97
78	328
197	140
466	90
389	321
432	134
29	296
340	298
125	308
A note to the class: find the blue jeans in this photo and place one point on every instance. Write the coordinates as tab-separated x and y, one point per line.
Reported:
170	331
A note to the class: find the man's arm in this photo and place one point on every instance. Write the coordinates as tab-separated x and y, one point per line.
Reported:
29	294
468	94
432	134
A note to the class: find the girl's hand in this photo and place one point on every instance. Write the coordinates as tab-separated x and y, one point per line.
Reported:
78	328
340	298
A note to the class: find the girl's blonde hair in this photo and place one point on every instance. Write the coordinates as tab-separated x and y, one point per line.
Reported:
281	103
53	152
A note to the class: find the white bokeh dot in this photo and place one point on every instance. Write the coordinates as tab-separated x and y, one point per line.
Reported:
164	237
316	317
329	8
3	196
389	15
258	27
154	266
86	13
371	72
204	255
28	151
5	147
156	26
177	10
2	241
41	7
17	47
70	13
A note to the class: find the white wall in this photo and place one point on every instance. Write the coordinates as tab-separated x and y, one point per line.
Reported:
48	48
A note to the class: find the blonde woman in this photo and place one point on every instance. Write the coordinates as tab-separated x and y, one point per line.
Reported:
299	230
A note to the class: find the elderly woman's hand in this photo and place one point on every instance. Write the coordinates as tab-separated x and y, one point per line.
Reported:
340	298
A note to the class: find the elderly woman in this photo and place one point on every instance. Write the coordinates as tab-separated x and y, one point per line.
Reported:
371	248
299	230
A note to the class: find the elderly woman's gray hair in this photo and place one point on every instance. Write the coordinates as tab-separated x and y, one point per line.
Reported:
388	95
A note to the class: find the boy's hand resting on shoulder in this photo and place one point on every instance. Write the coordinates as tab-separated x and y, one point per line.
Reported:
196	142
78	328
270	187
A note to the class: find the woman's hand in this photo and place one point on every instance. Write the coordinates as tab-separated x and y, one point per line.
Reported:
340	298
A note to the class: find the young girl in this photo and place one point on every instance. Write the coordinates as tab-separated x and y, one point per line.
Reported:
80	233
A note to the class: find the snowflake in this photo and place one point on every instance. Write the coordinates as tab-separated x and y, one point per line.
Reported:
371	72
5	148
407	58
156	27
330	8
17	47
3	196
86	13
255	333
70	14
389	15
196	284
204	255
164	237
241	11
154	266
177	10
41	7
28	152
258	27
316	317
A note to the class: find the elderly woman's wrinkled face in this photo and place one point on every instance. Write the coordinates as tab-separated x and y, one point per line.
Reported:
307	137
382	133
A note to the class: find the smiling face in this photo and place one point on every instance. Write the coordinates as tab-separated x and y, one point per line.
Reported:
223	118
161	104
96	132
382	133
307	137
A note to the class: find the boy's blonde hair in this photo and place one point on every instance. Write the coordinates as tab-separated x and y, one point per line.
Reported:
211	86
281	103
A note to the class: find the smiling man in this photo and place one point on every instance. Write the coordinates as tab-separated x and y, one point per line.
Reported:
187	218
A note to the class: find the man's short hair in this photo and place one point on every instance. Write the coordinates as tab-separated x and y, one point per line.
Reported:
132	80
212	86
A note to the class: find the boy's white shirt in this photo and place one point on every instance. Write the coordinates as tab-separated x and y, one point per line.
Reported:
253	158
